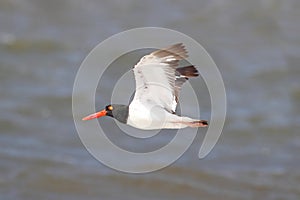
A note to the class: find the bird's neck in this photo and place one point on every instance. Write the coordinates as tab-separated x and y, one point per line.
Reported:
121	113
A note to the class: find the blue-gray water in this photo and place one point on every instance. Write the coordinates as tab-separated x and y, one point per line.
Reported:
256	46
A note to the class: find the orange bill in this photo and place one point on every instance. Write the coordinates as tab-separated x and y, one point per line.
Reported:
95	115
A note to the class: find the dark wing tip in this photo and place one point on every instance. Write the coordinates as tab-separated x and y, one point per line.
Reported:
177	50
188	71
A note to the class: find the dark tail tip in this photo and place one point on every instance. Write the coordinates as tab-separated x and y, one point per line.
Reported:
204	122
200	123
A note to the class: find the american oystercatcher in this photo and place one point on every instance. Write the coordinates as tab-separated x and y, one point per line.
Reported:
158	84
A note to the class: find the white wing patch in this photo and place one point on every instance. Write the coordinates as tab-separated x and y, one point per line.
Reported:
156	82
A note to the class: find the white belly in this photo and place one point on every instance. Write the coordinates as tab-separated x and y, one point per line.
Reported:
153	118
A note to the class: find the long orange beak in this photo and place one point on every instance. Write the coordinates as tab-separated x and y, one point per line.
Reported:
95	115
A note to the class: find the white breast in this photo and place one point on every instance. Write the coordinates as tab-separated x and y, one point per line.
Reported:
145	117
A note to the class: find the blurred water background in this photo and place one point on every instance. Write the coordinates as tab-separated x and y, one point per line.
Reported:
256	46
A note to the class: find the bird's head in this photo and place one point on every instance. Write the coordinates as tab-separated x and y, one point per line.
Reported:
117	111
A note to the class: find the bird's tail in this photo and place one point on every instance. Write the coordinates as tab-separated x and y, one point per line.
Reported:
193	122
198	123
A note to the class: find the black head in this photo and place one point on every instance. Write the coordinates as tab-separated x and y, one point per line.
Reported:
117	111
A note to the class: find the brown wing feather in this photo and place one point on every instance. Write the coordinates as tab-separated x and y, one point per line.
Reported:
182	75
177	51
188	71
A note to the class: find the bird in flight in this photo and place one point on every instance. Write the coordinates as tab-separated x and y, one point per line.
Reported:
158	83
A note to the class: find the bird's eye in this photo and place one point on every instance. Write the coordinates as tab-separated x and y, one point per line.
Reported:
110	108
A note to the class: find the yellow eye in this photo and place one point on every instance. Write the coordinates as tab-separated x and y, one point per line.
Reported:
110	108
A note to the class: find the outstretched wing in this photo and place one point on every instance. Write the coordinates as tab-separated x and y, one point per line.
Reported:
182	75
155	76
